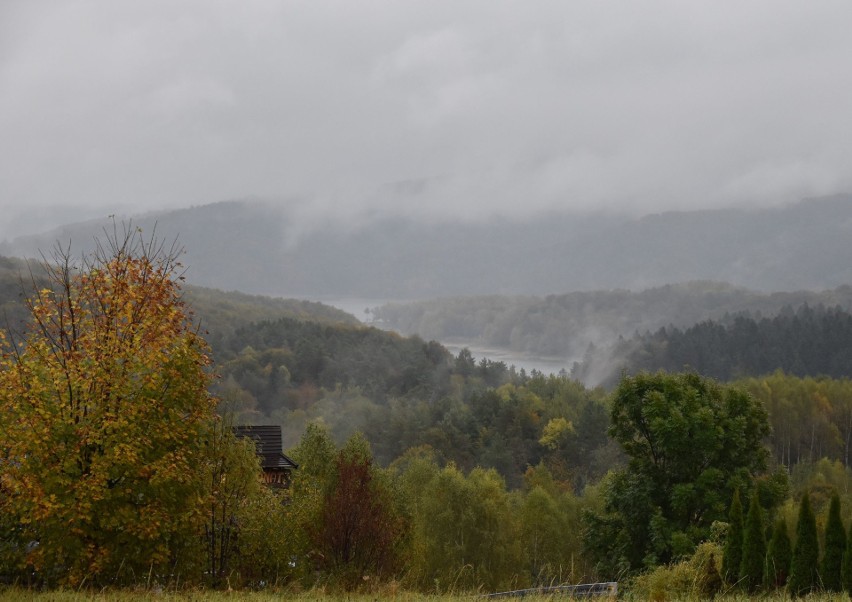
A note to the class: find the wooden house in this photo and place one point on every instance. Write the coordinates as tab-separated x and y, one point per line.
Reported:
277	467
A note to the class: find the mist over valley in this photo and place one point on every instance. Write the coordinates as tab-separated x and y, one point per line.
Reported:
538	293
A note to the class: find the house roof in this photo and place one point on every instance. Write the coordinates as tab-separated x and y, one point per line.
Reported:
267	441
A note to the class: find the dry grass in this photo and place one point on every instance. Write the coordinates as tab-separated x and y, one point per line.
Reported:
318	595
217	596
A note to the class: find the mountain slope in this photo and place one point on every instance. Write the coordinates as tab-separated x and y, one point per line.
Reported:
260	248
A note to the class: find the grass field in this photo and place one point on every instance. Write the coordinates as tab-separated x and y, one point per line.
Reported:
388	594
215	596
322	596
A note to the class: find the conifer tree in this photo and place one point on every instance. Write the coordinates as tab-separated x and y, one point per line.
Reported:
779	555
846	572
712	581
754	548
835	545
734	542
804	577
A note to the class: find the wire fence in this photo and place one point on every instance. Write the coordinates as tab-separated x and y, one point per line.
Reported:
585	590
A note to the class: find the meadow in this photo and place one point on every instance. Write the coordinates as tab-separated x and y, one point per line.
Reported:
226	596
389	595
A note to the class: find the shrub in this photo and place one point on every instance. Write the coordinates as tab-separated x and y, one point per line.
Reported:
695	577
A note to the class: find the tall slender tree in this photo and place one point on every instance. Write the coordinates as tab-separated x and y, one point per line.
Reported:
779	555
835	545
754	547
846	572
804	576
734	542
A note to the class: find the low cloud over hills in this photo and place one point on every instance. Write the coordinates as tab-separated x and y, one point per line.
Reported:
257	247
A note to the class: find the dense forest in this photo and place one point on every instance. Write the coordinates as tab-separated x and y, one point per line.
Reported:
402	392
474	474
805	341
485	413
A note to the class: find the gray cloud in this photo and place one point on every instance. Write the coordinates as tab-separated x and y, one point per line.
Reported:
489	107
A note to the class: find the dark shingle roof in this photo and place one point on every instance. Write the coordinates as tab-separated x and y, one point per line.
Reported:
267	440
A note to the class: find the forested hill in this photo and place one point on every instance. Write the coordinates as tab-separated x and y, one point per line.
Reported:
807	341
262	248
218	313
17	279
291	362
565	325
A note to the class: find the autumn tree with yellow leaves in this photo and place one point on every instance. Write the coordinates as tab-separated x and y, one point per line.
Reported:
103	409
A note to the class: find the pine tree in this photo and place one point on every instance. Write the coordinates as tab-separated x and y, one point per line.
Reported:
835	545
734	542
779	555
803	566
754	548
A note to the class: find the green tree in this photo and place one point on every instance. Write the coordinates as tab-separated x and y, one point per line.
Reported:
540	476
464	532
103	407
778	556
835	546
754	547
846	572
543	528
265	540
804	577
315	456
734	542
233	475
12	546
690	442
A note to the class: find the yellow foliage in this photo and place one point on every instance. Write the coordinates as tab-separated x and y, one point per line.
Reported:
684	580
556	432
102	406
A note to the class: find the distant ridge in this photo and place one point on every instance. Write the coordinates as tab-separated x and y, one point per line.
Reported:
251	246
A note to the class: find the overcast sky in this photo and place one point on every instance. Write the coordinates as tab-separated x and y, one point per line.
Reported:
460	107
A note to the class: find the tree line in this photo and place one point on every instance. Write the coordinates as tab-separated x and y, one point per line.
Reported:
566	324
806	341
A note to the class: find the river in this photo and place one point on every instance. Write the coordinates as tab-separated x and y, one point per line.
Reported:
529	362
545	365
